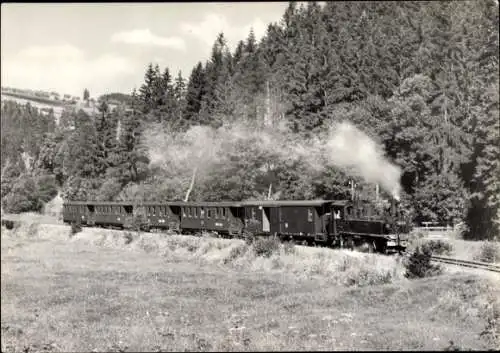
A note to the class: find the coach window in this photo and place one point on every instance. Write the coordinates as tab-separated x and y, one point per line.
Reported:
195	212
253	212
309	215
202	212
190	212
209	212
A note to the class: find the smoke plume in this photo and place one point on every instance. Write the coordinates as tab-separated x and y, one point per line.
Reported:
202	150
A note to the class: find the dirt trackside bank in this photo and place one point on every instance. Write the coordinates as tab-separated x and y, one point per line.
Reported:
100	290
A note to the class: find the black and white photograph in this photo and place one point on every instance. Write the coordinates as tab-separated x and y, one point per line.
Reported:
250	176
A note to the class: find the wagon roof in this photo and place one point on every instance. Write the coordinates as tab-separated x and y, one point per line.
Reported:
311	203
208	204
267	203
99	203
153	203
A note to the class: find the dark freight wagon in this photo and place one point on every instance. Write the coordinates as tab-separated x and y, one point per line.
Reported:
309	220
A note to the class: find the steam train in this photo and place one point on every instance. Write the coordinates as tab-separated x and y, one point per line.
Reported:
334	223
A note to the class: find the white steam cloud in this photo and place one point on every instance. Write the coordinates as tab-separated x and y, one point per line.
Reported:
204	149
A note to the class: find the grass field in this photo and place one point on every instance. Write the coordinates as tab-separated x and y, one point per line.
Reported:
98	291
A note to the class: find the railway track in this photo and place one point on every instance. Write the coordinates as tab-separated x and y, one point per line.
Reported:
466	263
441	259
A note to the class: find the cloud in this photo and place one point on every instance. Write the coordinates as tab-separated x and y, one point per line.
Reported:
145	37
213	23
66	69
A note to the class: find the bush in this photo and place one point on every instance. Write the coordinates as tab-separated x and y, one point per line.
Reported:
438	247
129	237
289	247
236	252
46	187
491	313
368	277
266	246
76	227
489	252
8	224
23	197
419	264
452	347
109	190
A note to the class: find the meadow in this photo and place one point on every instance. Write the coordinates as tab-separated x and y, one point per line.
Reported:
104	290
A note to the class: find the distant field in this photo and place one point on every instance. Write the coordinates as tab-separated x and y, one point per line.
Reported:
96	292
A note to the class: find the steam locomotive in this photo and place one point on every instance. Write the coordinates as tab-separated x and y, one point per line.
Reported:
334	223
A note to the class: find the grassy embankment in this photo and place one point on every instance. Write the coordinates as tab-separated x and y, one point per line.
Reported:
101	290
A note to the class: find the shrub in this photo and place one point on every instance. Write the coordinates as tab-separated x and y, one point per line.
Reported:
76	227
8	224
236	252
129	237
438	247
23	197
46	187
289	247
452	347
367	277
419	264
491	312
109	189
489	252
266	246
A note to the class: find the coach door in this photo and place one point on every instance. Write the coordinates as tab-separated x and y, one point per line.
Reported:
275	220
266	225
91	215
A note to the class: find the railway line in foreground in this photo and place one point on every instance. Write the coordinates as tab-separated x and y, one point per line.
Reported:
492	267
466	263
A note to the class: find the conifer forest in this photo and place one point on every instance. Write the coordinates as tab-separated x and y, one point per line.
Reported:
420	80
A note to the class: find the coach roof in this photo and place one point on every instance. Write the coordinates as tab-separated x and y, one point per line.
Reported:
310	203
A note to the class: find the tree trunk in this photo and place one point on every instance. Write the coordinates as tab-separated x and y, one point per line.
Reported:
191	185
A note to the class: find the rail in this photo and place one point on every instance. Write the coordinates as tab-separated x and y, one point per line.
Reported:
467	263
433	229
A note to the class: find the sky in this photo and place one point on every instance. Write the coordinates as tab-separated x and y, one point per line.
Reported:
107	47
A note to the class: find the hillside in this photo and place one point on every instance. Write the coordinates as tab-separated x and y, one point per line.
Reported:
415	83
